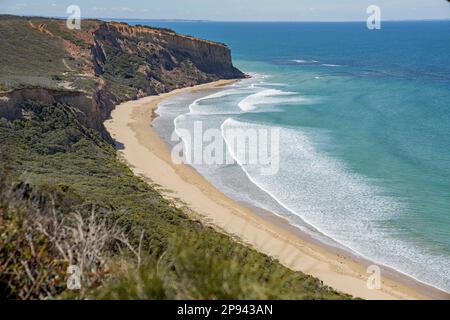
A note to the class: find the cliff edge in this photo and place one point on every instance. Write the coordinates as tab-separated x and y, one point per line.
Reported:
103	64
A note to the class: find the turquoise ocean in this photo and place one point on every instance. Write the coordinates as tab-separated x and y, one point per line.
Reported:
364	122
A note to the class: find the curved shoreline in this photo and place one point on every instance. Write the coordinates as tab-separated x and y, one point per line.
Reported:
144	150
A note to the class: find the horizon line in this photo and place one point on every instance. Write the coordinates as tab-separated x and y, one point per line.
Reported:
223	21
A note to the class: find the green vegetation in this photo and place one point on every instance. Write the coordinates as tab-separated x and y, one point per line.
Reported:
156	28
41	237
33	58
122	72
34	63
61	159
58	29
203	264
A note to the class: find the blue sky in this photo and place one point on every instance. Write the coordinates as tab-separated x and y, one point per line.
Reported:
235	10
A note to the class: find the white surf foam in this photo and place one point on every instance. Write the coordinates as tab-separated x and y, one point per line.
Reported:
263	84
340	204
301	61
196	108
270	96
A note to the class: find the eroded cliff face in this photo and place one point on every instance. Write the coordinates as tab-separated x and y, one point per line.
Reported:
103	64
90	110
167	52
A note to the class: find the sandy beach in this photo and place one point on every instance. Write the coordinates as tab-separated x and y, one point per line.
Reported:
148	156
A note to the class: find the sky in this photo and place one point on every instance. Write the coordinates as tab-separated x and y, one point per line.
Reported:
235	10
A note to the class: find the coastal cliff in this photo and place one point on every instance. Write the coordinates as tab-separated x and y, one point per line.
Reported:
164	56
105	63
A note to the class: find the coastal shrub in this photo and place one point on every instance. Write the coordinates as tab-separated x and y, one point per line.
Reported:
40	240
41	57
207	265
28	268
156	28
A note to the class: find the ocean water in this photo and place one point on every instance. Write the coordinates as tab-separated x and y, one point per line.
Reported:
364	123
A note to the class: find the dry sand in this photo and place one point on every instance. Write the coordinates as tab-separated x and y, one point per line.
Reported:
148	156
